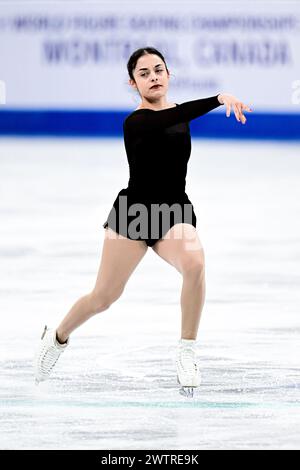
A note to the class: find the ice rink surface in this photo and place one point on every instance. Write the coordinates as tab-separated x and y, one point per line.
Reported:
115	387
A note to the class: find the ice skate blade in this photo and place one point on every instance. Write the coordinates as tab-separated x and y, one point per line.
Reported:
187	392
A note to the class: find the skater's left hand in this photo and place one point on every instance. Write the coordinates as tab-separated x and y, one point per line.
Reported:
237	106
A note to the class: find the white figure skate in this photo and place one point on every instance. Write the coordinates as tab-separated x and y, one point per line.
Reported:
188	374
47	354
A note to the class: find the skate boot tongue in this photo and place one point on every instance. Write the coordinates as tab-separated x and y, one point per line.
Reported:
187	342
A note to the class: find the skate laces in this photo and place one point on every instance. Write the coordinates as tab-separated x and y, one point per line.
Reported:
187	359
49	358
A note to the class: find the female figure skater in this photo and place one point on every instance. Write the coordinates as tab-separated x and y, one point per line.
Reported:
158	145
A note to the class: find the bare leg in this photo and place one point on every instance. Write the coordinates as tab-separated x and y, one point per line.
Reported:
182	248
81	311
192	301
120	256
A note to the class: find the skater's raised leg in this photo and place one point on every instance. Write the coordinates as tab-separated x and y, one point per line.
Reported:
120	256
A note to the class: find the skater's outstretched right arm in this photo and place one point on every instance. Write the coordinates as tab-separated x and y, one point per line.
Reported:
147	120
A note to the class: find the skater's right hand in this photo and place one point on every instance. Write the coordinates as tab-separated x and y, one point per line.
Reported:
237	106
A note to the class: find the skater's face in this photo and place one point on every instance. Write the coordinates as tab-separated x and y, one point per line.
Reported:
150	70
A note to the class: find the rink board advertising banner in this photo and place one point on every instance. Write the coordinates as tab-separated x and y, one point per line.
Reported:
63	64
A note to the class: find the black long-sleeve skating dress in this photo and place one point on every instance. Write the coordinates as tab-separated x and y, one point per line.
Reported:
158	148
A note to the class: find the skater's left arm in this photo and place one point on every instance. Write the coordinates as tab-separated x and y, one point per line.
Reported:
237	106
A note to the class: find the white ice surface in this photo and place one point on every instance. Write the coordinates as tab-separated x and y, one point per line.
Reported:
115	387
